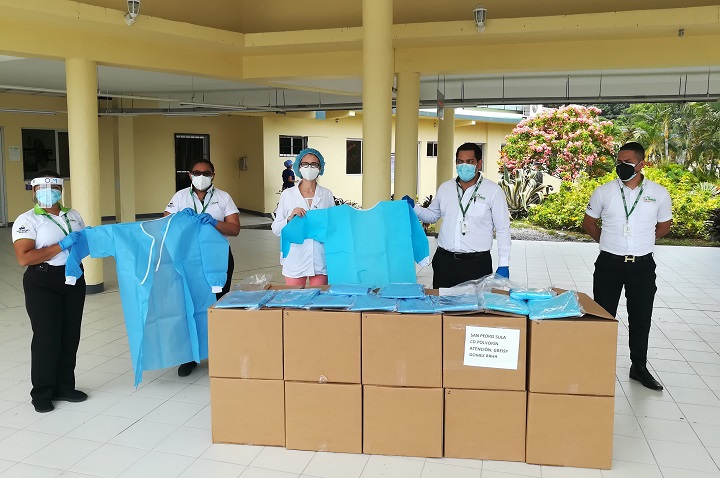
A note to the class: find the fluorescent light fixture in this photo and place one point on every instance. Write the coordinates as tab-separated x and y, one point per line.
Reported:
28	112
191	113
218	107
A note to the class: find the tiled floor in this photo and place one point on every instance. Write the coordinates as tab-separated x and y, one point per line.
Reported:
162	429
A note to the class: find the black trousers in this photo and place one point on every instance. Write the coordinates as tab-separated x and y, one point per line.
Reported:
231	269
452	269
55	311
638	278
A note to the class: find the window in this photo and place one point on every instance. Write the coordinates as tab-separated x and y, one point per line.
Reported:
432	149
292	145
482	152
353	156
45	149
189	148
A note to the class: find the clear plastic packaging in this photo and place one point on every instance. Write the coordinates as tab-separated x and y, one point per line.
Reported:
370	302
349	289
496	281
240	299
426	305
457	303
529	293
292	298
503	303
331	301
402	291
559	307
254	282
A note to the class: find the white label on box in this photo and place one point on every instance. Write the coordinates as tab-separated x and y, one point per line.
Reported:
492	347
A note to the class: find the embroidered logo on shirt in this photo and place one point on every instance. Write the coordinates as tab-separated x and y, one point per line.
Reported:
589	207
22	229
171	204
649	199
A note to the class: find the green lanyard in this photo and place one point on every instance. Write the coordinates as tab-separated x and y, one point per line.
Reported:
637	199
460	191
67	221
202	202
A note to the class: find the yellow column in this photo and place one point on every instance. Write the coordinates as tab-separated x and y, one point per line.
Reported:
406	134
377	100
81	79
446	147
124	169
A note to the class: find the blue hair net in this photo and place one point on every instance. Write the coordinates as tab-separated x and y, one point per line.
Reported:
301	154
288	163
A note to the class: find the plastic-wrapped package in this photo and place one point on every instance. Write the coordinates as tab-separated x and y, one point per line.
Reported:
402	291
370	302
496	281
349	289
529	293
559	307
240	299
292	298
503	303
426	305
457	303
330	301
254	282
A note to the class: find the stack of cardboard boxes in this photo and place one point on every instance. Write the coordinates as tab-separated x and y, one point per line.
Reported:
484	386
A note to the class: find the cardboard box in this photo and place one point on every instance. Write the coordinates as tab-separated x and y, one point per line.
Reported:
403	421
574	356
485	424
250	412
245	343
474	362
402	350
322	346
570	430
323	417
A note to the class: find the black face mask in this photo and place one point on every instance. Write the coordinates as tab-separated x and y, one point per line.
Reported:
625	171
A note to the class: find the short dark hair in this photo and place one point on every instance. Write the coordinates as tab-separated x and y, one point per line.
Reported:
470	147
636	147
47	173
202	161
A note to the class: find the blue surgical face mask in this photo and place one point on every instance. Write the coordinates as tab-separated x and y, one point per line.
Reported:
47	197
466	171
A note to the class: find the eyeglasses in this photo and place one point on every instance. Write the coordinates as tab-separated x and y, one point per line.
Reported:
196	173
466	161
310	165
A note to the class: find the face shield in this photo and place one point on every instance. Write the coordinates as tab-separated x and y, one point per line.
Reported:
47	191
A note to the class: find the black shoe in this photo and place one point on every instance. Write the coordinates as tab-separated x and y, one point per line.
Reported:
186	369
642	375
42	405
70	396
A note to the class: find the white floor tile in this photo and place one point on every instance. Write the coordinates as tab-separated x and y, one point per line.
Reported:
670	379
174	413
709	434
194	393
62	453
238	454
632	449
134	407
5	464
21	416
25	470
694	396
626	469
143	434
108	461
669	430
512	467
251	472
627	425
158	465
678	473
24	443
187	442
395	466
6	432
666	410
680	455
701	414
436	470
567	472
163	389
457	462
97	402
101	428
212	469
60	422
336	465
280	459
202	419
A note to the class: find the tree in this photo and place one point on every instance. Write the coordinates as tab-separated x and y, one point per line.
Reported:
562	142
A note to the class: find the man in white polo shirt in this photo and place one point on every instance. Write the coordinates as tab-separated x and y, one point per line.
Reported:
634	212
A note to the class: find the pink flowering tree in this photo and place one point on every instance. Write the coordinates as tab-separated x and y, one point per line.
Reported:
562	142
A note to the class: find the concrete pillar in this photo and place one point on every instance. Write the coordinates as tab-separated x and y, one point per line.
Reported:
81	80
446	147
124	169
406	134
377	100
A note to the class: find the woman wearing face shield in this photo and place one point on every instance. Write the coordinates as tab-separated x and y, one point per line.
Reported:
211	206
41	239
305	261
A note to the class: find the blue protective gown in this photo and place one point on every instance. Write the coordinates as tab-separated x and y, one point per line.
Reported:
377	246
168	271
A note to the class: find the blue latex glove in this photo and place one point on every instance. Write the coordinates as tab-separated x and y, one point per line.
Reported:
409	200
69	240
503	271
206	218
189	211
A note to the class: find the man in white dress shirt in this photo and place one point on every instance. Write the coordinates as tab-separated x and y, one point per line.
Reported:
472	209
634	212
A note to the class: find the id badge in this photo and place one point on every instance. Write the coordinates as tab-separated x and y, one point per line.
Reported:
464	227
626	229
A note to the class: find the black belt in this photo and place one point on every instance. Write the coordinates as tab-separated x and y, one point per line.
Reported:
615	257
44	267
462	255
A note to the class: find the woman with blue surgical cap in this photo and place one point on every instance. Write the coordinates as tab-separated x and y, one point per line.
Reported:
305	261
41	239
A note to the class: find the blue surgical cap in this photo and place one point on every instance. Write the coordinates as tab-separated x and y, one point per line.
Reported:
300	156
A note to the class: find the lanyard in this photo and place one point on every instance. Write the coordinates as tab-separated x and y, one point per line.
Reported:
67	221
460	192
622	192
202	202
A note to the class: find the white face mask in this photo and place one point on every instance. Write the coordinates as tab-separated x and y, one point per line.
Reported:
309	173
201	183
